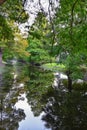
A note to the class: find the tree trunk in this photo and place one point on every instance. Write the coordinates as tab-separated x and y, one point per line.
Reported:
69	80
69	83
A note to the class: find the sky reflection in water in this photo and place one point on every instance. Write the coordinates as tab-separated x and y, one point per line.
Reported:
30	122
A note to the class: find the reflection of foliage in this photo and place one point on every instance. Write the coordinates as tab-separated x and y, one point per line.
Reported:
10	117
40	82
4	78
63	110
8	97
66	111
23	74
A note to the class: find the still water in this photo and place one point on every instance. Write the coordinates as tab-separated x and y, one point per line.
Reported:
29	102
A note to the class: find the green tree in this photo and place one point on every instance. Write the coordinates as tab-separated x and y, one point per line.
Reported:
71	32
10	12
39	40
14	10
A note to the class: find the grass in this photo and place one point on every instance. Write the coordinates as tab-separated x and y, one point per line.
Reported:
53	67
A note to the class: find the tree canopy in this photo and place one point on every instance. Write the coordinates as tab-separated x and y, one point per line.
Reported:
68	36
71	22
62	34
11	14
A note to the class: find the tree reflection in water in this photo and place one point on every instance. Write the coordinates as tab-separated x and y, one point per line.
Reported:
61	110
38	85
66	111
9	116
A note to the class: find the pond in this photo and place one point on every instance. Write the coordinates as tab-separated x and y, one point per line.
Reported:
29	102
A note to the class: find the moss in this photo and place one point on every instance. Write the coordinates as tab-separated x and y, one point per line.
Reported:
76	86
80	86
65	82
8	109
14	100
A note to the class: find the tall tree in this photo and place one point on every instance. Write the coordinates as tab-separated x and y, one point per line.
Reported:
71	33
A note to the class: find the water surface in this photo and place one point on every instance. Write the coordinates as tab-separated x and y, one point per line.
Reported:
29	102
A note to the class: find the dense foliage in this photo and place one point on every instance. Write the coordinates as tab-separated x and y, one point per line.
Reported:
62	35
40	40
71	33
11	14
